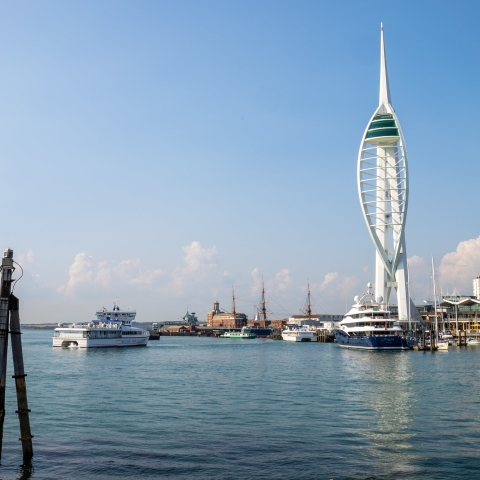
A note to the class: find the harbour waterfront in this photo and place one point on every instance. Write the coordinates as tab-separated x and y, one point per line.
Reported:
189	407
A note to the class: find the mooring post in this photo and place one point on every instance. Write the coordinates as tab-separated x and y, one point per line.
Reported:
7	270
18	368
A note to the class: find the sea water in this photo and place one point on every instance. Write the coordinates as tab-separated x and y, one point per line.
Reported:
187	407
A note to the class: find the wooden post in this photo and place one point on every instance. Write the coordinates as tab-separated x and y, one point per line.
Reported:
25	432
432	340
7	269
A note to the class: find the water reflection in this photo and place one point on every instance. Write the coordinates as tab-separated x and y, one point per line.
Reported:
25	471
382	390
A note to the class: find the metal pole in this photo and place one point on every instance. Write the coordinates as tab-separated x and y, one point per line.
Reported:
25	432
456	318
432	344
409	299
7	269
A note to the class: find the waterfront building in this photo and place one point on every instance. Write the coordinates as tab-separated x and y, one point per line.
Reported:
382	178
217	318
460	312
320	320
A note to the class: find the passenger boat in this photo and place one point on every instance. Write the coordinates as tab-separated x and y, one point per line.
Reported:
369	326
296	333
245	333
112	328
473	341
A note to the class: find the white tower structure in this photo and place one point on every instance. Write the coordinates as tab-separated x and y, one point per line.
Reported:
383	189
476	288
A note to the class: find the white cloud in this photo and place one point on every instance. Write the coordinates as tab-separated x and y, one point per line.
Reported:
330	278
198	258
80	273
459	268
335	285
277	286
282	282
25	258
200	265
84	273
455	272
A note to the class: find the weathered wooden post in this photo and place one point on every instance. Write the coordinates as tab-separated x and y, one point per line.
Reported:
9	317
17	353
7	270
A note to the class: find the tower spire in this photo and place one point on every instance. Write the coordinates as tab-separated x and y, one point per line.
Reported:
384	88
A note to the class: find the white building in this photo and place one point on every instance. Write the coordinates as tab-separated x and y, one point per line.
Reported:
476	288
320	320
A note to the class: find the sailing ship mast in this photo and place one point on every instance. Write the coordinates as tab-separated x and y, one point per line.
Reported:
308	304
263	308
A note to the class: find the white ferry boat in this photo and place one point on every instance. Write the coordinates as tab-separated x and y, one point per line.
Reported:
296	333
112	328
369	326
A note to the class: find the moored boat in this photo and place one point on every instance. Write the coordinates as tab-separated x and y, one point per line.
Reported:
369	326
245	333
296	333
262	332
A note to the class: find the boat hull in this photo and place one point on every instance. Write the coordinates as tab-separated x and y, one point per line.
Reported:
99	343
298	338
239	337
373	342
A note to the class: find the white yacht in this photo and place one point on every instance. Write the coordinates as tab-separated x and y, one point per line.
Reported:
369	325
112	328
296	333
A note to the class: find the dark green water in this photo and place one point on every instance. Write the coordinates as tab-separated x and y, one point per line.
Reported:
232	409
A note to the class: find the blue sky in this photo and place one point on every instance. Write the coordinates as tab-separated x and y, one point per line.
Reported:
161	152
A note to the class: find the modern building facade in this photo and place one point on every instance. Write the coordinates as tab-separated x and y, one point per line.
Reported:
382	178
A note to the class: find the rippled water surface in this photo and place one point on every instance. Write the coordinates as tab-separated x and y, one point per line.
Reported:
233	409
